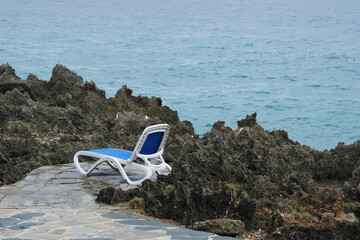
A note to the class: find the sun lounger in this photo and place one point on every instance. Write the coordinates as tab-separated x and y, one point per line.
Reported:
148	151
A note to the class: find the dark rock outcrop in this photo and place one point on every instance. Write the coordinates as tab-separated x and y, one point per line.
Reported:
261	178
46	122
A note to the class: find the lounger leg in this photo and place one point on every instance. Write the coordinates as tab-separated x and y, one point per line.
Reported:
162	167
111	165
147	171
167	166
77	164
81	170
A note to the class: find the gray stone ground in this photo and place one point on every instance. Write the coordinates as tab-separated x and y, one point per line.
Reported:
55	202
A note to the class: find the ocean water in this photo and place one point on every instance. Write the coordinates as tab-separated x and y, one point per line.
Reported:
295	63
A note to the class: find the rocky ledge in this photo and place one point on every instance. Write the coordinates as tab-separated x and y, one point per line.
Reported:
247	182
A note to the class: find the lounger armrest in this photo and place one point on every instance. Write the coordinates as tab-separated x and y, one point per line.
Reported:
149	156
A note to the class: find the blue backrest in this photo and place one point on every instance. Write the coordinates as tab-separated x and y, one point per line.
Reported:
152	140
152	143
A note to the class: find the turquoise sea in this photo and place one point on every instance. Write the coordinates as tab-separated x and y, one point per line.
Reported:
295	63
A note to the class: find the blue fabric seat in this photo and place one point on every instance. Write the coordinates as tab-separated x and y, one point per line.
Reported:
123	154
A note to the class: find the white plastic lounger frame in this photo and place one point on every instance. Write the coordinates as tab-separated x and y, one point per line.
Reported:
149	148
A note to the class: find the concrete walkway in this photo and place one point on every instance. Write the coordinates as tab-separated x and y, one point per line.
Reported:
54	202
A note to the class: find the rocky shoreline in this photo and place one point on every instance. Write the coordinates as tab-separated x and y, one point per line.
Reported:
231	182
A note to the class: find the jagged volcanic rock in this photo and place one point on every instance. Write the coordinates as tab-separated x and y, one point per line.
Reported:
262	178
